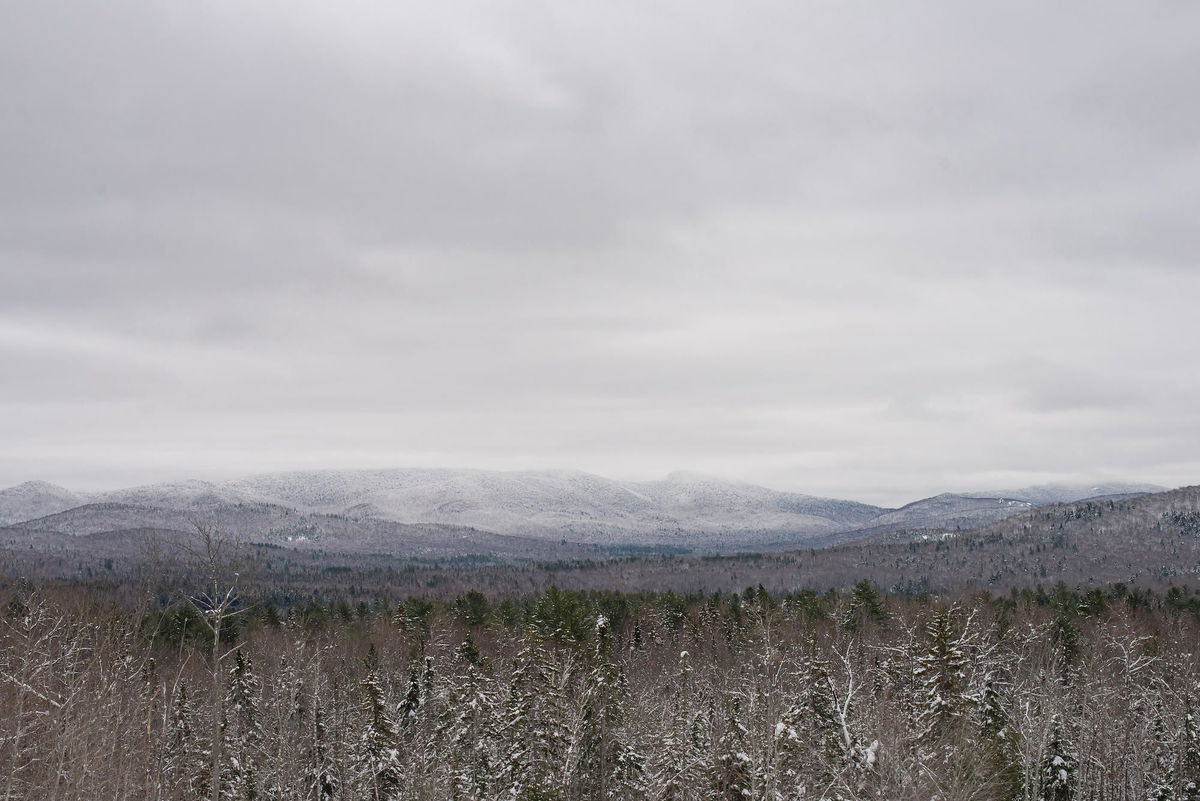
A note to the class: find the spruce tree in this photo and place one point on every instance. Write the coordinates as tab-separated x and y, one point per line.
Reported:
999	738
185	762
681	750
606	764
1189	756
532	727
940	675
241	733
732	773
1057	774
467	732
380	774
1162	762
320	779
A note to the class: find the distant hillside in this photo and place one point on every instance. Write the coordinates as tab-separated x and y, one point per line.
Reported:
1152	540
947	510
34	499
517	516
1065	493
683	508
681	511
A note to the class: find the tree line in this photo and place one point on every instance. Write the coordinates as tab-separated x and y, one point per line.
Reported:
1045	694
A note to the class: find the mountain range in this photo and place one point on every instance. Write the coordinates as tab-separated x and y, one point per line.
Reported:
442	513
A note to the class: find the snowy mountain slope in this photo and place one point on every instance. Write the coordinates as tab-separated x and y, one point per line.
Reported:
278	525
470	508
35	499
950	510
1066	493
553	503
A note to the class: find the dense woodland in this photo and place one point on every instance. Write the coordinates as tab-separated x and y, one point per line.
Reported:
1039	694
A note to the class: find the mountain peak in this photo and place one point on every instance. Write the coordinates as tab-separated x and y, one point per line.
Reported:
36	486
35	499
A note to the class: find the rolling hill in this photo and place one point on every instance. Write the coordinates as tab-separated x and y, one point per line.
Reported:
507	516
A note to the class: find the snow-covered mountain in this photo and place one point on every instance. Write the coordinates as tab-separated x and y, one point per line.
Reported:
560	503
351	508
35	499
1066	493
950	510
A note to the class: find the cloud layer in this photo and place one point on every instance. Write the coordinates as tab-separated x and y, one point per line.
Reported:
848	249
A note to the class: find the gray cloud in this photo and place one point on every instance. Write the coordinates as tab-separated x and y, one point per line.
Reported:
867	251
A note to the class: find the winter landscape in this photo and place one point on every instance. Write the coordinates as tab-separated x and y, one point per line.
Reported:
624	401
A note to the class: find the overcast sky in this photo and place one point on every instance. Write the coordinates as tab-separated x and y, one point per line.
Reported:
869	250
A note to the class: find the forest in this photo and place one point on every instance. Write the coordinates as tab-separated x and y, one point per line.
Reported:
1043	693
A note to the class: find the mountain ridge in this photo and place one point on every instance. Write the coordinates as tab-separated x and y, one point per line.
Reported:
684	509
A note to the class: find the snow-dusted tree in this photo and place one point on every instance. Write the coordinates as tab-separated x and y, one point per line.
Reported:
379	772
940	673
1059	763
679	758
1161	770
1002	756
808	743
466	732
284	724
320	781
410	705
1189	754
533	727
185	761
607	764
241	733
732	771
215	554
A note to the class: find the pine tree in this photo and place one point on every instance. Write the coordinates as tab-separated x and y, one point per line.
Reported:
1057	775
808	743
532	727
678	769
940	674
732	772
1162	763
999	737
185	763
378	760
1189	757
411	704
467	733
865	606
241	733
320	779
606	763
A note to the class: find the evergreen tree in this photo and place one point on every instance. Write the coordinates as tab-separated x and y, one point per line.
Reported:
1189	757
1057	775
532	727
241	733
809	747
411	704
681	751
940	674
185	763
732	771
378	760
320	779
1002	753
467	733
1161	771
865	606
606	764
